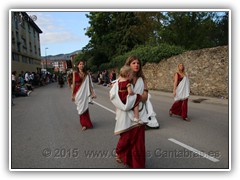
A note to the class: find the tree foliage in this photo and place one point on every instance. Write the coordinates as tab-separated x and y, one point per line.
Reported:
191	30
115	34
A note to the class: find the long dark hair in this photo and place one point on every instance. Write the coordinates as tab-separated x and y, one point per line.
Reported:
84	68
130	59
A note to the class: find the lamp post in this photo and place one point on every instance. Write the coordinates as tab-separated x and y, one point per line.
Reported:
46	57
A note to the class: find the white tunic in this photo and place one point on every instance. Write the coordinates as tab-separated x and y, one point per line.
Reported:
83	95
124	114
183	89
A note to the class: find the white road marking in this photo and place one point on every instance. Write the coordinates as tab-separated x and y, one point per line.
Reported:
194	150
104	107
174	140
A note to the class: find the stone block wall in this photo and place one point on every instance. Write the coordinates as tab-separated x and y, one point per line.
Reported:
207	70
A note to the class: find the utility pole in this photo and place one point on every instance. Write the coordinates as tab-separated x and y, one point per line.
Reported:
46	57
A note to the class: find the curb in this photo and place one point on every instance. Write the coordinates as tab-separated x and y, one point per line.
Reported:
195	99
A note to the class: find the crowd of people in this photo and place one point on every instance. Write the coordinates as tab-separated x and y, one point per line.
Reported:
105	79
25	82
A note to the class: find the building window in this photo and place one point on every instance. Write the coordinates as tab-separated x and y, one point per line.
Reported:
35	49
13	38
30	61
19	46
37	62
24	59
18	42
23	24
29	28
16	17
30	46
24	43
15	57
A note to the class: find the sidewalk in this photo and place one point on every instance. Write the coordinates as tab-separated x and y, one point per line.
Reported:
194	98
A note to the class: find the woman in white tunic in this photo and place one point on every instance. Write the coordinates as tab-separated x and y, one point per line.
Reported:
82	92
181	91
131	145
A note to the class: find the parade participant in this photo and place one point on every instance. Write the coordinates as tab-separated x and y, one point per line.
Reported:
82	91
131	145
181	91
69	79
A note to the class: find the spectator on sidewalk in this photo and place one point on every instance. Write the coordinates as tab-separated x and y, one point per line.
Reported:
26	77
14	83
105	78
20	79
69	79
14	79
100	78
112	78
21	91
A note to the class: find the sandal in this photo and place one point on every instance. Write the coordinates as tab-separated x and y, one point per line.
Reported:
186	119
170	113
84	128
118	159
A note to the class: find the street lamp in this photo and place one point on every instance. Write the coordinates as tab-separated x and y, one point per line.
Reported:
46	57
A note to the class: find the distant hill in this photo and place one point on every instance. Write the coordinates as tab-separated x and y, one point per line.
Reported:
61	56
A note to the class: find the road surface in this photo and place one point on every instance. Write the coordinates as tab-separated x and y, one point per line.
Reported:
45	133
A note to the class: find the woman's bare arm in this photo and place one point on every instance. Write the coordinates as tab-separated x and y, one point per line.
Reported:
145	93
130	91
175	84
73	87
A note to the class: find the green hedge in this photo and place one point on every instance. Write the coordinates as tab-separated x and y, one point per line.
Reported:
148	54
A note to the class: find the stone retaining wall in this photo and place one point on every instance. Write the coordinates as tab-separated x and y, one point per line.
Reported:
207	70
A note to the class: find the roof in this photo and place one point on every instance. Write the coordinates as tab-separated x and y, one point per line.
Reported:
31	22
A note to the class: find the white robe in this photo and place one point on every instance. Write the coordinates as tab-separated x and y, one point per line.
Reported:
124	114
151	115
83	95
183	89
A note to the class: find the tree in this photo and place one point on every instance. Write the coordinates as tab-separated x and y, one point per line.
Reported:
193	30
222	26
115	33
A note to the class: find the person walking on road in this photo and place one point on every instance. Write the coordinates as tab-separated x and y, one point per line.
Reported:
130	148
82	92
181	91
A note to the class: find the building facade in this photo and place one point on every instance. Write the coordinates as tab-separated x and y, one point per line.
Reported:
25	45
59	63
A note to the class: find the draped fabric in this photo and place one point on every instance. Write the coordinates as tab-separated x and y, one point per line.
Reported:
83	95
131	147
122	90
124	115
85	120
183	89
82	99
147	108
180	106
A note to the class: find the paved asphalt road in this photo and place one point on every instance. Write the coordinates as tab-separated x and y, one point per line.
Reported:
45	133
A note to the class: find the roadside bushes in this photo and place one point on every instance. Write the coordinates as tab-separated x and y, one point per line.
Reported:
145	54
148	54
